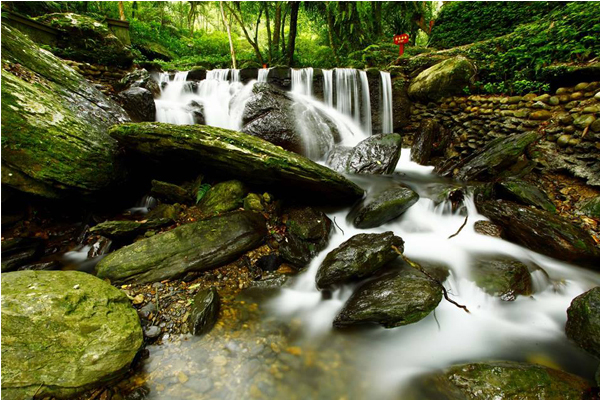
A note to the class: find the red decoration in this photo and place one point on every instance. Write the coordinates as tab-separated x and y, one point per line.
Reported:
401	40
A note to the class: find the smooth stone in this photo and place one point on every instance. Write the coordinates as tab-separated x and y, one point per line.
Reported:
307	233
583	321
223	197
382	207
504	278
204	312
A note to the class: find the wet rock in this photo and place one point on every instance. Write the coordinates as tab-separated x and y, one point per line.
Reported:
382	207
170	192
100	246
253	202
542	231
584	121
198	246
63	332
238	154
495	157
525	193
503	380
139	78
204	311
269	262
307	234
197	110
583	322
488	228
431	138
54	124
392	300
127	229
504	278
376	155
42	266
358	257
446	78
139	104
223	197
17	252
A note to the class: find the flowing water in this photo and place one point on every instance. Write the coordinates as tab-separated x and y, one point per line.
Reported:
279	343
386	103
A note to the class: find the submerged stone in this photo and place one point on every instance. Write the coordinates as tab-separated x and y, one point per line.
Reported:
583	322
197	246
204	312
64	332
382	207
504	278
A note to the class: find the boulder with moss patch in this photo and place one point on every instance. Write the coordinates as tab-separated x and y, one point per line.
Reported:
446	78
583	323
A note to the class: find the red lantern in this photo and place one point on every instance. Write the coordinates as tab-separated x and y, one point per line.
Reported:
401	40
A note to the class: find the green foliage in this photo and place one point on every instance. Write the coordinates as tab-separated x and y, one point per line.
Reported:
202	190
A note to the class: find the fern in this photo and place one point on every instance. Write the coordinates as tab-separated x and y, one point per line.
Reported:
202	190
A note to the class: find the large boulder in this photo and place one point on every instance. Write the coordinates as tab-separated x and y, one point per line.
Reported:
583	322
198	246
542	231
139	78
525	193
54	124
502	380
376	155
395	299
64	332
307	233
358	257
139	104
82	38
446	78
504	278
383	206
237	154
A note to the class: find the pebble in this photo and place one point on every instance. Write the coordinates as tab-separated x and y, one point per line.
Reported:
182	377
139	299
152	332
220	361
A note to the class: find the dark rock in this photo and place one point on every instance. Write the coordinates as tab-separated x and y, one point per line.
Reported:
358	257
518	190
504	278
54	124
42	266
204	312
488	228
307	234
64	332
170	192
269	262
198	246
223	197
377	154
139	104
139	78
502	380
431	137
17	252
154	51
148	310
392	300
196	74
152	332
197	110
384	206
583	322
337	158
127	229
237	154
164	211
100	246
542	231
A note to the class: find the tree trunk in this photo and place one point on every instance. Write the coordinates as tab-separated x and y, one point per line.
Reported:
295	6
134	8
283	48
254	44
121	11
277	26
330	29
232	49
266	6
377	17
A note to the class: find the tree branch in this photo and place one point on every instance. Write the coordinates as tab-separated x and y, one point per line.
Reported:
460	229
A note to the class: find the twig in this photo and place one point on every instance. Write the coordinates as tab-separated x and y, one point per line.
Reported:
38	390
431	278
336	224
461	228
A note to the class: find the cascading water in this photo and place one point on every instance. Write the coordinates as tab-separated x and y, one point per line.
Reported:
263	74
302	81
387	124
235	75
366	103
346	93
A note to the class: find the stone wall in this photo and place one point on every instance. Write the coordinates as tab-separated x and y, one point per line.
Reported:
569	122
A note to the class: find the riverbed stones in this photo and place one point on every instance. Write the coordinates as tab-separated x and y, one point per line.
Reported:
542	231
358	257
392	300
583	322
503	380
504	278
54	124
223	197
591	207
204	311
446	78
63	332
384	206
197	246
240	155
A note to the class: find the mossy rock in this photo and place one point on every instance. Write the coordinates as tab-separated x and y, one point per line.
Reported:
170	192
591	208
154	51
583	322
223	197
127	229
525	193
54	124
253	202
307	233
382	207
64	332
204	312
444	79
504	278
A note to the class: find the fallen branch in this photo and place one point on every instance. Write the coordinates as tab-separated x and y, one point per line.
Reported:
461	227
336	224
431	278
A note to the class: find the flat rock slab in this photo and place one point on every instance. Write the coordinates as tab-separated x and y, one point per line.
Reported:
238	154
63	332
197	246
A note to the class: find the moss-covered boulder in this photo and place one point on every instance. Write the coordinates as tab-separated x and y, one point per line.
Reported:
381	207
198	246
376	155
504	278
525	193
127	229
446	78
542	231
583	322
502	380
82	38
54	124
223	197
238	154
63	332
170	192
204	312
392	300
358	257
307	233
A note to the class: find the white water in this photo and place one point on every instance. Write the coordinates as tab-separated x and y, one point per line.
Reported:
387	124
328	87
263	74
346	93
366	103
302	81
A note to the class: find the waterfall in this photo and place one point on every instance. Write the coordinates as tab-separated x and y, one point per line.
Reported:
328	87
346	93
366	102
387	121
263	74
235	75
302	81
